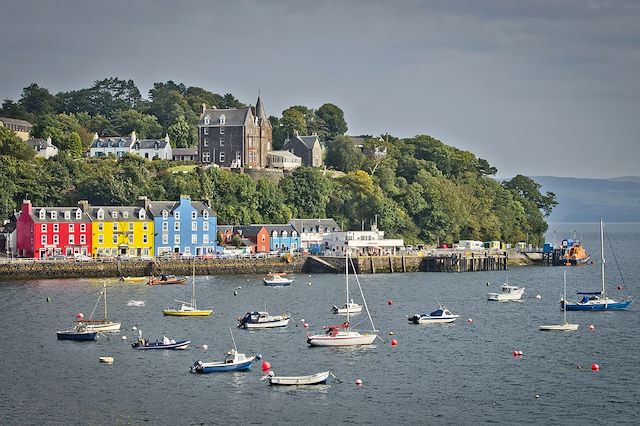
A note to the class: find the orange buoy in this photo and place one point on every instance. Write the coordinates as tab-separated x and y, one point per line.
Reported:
595	367
266	366
394	342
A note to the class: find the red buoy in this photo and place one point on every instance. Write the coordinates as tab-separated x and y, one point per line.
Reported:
266	366
306	325
394	342
592	327
595	367
358	382
389	302
469	321
515	353
79	315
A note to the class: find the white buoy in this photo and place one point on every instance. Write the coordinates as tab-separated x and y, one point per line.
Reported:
134	328
538	297
124	337
205	347
106	359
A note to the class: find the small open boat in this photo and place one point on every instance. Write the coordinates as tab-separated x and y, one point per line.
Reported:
263	320
166	343
351	308
273	279
79	332
312	379
166	279
442	315
134	279
507	293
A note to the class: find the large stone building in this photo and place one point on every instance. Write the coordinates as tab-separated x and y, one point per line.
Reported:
235	137
306	147
21	128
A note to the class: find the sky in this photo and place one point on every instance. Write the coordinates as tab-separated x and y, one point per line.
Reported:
542	87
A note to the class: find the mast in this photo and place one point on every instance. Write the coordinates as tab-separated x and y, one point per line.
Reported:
346	272
364	301
602	255
564	298
193	285
105	299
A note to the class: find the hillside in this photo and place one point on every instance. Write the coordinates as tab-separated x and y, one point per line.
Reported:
587	200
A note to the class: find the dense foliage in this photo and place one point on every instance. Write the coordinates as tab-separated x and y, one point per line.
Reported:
418	188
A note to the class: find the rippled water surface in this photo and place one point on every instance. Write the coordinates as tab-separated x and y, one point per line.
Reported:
461	373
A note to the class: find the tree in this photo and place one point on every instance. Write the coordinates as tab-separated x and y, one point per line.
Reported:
37	100
11	109
530	190
343	155
307	192
168	103
293	122
333	117
74	145
12	145
145	126
236	240
181	134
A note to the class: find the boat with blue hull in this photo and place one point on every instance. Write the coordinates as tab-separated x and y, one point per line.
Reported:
80	333
596	300
234	361
144	344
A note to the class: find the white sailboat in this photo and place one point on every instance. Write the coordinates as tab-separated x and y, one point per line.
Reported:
342	334
102	324
565	326
189	309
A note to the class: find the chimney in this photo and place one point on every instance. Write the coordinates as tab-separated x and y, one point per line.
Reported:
84	206
49	140
95	136
166	137
204	107
133	136
26	207
144	202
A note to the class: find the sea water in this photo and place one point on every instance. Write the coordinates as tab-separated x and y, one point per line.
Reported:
462	373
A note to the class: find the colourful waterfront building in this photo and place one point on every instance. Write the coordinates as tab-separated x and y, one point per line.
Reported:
120	230
182	227
283	237
44	232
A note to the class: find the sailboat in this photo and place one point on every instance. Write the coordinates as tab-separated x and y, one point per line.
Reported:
596	300
189	309
565	326
101	324
343	334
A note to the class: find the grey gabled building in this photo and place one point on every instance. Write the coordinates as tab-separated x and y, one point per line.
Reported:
306	147
235	137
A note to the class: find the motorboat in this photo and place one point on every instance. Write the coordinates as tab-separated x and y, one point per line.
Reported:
134	279
79	332
507	293
166	279
273	279
166	343
442	315
233	361
596	300
351	307
576	255
263	320
312	379
565	326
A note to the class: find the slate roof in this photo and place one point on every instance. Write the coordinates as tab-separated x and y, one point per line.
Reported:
150	143
308	141
283	153
38	143
260	109
131	212
15	121
249	231
309	225
112	141
156	207
233	117
177	152
277	227
35	215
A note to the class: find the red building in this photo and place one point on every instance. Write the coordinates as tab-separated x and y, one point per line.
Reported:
43	232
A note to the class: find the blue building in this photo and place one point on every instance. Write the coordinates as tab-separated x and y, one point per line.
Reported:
283	238
182	227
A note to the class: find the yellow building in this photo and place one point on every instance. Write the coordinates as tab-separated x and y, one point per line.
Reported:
121	231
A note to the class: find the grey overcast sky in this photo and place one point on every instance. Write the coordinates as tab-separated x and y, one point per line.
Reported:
544	87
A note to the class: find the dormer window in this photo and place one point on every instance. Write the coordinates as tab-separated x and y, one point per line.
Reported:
42	214
78	214
207	120
294	234
100	214
223	119
205	214
120	144
274	234
99	144
67	214
284	234
141	214
156	146
125	215
54	215
176	215
137	146
165	214
114	214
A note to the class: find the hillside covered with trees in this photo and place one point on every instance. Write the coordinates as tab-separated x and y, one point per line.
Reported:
419	188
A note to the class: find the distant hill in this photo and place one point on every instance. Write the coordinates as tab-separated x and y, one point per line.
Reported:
587	200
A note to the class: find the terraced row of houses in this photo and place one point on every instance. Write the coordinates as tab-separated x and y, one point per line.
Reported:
151	228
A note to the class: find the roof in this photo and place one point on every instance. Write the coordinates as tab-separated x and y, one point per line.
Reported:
249	231
233	117
276	227
309	141
156	207
35	214
225	228
283	153
260	109
150	143
308	225
357	140
15	121
39	143
112	141
184	151
131	213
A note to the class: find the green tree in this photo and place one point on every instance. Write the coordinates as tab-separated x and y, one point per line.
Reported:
11	109
181	133
74	145
146	126
530	190
37	101
293	122
12	145
307	192
343	155
333	118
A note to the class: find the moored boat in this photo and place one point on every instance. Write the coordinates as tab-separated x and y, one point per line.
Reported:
166	279
79	332
166	343
233	361
507	293
263	320
312	379
134	279
273	279
189	309
565	326
103	325
442	315
351	308
576	255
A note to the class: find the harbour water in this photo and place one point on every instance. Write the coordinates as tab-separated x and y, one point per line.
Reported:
463	373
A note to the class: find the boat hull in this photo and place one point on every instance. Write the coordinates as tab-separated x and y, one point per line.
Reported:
559	327
134	279
178	313
79	336
502	297
278	283
270	324
346	339
181	345
222	367
597	306
313	379
107	327
167	282
434	320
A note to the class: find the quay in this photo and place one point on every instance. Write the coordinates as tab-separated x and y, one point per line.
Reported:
457	262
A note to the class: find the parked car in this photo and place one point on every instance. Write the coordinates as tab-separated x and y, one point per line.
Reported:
58	257
79	257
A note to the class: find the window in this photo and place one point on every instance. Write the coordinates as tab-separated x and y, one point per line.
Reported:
206	157
205	226
125	215
55	227
145	226
284	234
176	226
165	239
72	239
176	239
130	226
54	215
194	239
176	215
205	130
141	214
221	141
101	227
222	157
205	142
145	239
83	227
100	214
194	226
205	214
43	240
72	228
83	239
263	238
115	226
165	226
55	239
207	120
165	214
274	234
114	214
222	130
114	240
223	119
194	215
42	214
43	227
205	239
130	239
67	214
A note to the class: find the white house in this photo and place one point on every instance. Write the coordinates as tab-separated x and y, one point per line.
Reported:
361	243
43	147
152	149
120	145
313	231
283	160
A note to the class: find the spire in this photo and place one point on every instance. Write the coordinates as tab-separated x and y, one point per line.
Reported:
260	109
